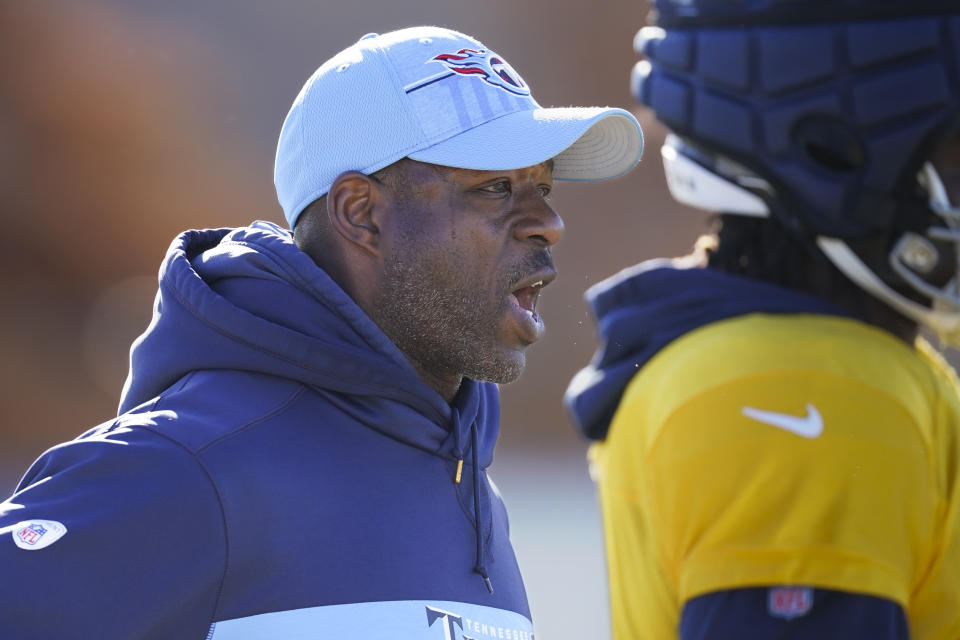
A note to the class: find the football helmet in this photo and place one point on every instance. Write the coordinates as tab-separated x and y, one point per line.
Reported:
824	114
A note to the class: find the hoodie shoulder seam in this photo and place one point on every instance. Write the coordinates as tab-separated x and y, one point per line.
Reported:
280	408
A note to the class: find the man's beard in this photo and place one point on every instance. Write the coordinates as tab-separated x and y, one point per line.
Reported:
442	322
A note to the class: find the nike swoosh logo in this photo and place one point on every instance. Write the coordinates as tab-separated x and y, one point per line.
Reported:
809	426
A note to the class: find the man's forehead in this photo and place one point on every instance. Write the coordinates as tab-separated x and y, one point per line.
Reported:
545	167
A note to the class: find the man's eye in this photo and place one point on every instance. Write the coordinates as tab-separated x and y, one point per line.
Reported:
500	186
544	190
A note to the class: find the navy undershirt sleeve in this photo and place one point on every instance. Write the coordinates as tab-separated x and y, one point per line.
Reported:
791	613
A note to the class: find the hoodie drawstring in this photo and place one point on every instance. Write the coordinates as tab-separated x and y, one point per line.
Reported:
480	566
457	447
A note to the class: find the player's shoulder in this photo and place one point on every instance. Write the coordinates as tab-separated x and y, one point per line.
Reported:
763	341
813	345
787	360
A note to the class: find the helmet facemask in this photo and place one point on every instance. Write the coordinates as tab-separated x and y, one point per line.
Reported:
916	258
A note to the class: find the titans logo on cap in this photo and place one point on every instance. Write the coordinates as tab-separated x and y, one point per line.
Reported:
476	63
486	65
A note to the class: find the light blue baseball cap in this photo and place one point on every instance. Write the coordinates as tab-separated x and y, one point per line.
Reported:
437	96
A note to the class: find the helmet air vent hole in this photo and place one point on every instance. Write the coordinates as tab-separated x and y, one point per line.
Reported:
829	144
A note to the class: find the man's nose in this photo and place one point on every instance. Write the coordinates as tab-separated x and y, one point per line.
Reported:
540	223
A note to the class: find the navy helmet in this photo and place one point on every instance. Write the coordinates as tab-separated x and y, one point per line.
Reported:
822	113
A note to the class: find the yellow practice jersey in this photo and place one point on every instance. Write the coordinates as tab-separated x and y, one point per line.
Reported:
784	450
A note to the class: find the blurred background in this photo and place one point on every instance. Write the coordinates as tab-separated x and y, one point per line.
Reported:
123	122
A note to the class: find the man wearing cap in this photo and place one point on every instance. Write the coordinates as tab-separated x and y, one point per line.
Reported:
304	433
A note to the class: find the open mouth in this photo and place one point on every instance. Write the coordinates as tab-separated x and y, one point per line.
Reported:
527	297
523	302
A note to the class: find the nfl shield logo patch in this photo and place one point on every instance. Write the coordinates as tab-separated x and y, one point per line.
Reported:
789	602
37	534
32	533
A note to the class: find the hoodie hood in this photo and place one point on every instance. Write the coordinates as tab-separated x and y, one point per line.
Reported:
644	308
248	299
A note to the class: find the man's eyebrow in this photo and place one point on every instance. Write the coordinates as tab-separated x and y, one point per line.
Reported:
459	170
549	164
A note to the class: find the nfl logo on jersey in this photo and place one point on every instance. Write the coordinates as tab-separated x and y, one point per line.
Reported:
789	602
37	534
32	533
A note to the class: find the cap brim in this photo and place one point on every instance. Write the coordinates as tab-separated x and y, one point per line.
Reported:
585	143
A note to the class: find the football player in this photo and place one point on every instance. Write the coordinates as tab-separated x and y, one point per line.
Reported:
777	451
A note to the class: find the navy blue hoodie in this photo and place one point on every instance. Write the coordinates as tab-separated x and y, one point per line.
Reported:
278	470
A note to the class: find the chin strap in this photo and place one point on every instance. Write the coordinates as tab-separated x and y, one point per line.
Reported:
912	254
944	321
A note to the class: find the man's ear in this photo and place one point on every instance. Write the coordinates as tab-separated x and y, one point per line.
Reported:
353	206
